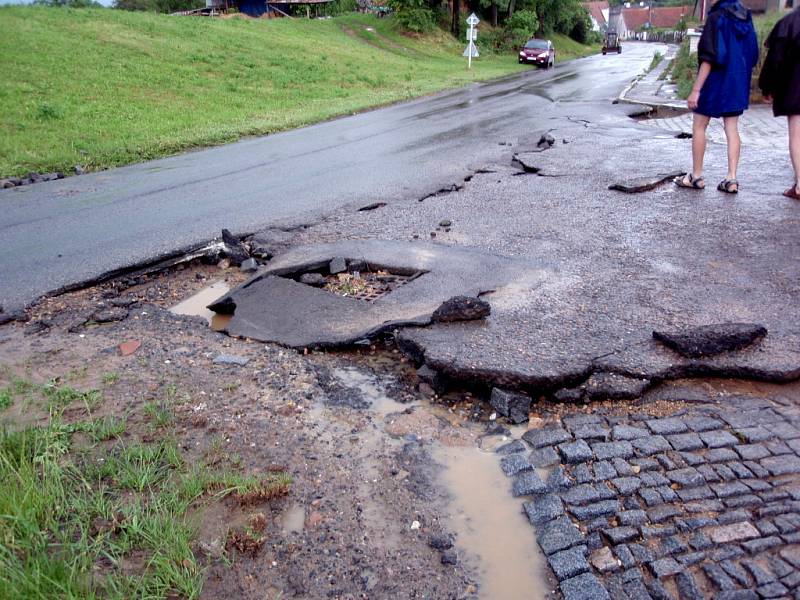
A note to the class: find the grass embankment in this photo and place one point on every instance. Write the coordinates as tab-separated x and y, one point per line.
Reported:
101	88
89	510
567	48
684	68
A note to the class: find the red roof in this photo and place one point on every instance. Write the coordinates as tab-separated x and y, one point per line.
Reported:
666	17
636	18
596	10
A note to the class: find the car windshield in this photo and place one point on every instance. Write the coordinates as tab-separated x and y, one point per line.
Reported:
536	45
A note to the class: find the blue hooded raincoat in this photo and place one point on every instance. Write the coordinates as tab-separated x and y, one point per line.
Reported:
729	44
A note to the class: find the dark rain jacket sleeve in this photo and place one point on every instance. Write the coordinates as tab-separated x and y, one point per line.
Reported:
776	50
708	46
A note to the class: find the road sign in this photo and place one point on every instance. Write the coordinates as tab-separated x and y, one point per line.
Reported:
471	51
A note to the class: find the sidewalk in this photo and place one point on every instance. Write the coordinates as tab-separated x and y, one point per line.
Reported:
653	89
757	127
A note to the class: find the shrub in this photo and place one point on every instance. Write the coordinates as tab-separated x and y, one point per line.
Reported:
160	6
413	15
520	27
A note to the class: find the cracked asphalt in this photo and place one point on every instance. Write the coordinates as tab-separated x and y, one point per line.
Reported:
73	230
618	265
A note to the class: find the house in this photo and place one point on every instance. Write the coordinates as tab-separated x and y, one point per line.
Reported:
632	21
598	13
757	7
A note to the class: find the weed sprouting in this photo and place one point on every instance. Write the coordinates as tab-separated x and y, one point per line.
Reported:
111	526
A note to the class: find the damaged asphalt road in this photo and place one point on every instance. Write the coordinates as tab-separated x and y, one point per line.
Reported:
74	230
606	268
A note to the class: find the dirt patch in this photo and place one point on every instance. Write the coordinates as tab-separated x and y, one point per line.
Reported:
343	527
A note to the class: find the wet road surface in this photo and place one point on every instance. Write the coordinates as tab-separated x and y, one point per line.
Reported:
63	232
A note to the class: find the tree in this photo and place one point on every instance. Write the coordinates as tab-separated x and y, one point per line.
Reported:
70	3
413	15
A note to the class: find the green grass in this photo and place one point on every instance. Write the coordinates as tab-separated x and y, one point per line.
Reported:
101	87
568	49
657	58
112	524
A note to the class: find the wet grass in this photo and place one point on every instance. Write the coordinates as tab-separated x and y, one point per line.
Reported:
101	88
112	519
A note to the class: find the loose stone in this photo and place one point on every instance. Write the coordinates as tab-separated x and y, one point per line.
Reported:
718	439
667	426
597	509
621	535
513	405
515	463
607	450
544	457
584	587
528	483
651	445
558	535
575	452
685	441
603	560
543	508
627	433
569	563
550	436
604	470
733	533
664	567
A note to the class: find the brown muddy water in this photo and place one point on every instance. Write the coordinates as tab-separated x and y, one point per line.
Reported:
493	538
197	304
492	534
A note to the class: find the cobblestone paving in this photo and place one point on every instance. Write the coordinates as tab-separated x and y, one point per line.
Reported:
757	128
704	503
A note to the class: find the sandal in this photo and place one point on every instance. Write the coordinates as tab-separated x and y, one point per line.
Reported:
695	183
792	193
726	185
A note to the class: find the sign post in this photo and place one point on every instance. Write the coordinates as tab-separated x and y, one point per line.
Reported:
472	35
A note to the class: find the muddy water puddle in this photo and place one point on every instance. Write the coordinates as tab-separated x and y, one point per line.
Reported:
493	537
293	519
196	305
371	390
492	533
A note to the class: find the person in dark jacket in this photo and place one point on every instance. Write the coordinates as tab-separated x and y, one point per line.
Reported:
727	53
780	83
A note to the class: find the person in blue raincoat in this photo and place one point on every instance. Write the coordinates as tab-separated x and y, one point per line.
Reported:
727	53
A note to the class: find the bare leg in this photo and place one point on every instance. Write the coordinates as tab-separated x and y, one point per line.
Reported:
794	148
731	125
699	126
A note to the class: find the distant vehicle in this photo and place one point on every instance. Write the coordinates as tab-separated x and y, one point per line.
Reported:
611	43
538	52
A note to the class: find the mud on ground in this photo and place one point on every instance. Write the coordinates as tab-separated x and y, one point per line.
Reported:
364	502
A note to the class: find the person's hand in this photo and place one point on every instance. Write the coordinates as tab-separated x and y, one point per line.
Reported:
768	98
693	99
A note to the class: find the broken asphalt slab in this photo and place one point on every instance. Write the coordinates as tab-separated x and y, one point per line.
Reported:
645	184
273	307
615	267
